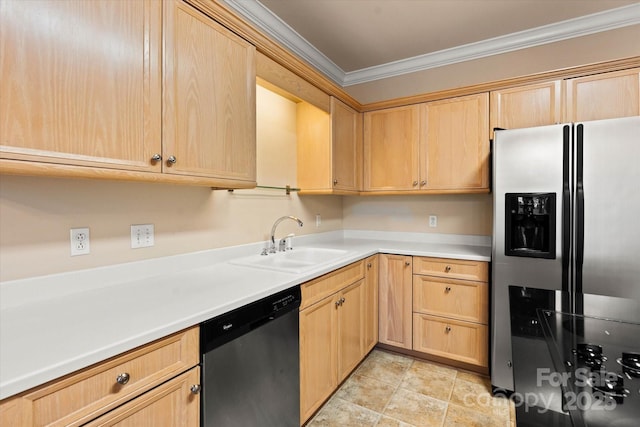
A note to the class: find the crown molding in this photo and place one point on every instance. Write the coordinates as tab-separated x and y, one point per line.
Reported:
277	29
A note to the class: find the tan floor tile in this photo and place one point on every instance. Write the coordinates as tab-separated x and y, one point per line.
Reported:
478	397
386	367
340	413
429	379
457	416
474	378
415	408
365	391
391	422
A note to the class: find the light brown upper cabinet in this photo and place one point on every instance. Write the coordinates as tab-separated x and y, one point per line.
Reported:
434	147
329	149
391	147
454	154
91	91
83	85
210	96
603	96
526	106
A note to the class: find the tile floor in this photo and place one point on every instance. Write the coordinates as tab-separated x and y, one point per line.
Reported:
389	389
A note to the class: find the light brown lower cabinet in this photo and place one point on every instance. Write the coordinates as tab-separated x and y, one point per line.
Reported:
451	339
332	333
394	299
170	404
87	394
437	307
371	303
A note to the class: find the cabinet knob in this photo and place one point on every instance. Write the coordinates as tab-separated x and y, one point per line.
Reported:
342	300
447	289
407	263
195	389
447	329
172	160
368	265
335	182
337	304
423	182
447	269
415	183
156	158
123	378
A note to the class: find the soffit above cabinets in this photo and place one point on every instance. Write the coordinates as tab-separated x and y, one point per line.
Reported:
358	41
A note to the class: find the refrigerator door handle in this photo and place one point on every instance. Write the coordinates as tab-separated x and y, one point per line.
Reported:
579	207
566	205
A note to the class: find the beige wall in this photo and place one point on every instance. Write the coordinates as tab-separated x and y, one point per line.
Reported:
600	47
457	214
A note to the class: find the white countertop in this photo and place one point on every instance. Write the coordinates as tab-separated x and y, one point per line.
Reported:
53	325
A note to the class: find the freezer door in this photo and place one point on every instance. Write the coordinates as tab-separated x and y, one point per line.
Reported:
534	160
607	215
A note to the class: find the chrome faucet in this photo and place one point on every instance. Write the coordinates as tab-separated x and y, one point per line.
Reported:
272	248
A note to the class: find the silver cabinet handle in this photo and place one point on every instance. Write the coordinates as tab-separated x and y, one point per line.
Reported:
337	304
368	265
415	183
172	160
342	300
447	289
447	269
123	378
195	389
335	182
156	158
423	182
447	329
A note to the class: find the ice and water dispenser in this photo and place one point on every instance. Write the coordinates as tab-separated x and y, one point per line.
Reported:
530	226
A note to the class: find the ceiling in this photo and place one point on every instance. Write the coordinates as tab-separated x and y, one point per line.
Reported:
355	41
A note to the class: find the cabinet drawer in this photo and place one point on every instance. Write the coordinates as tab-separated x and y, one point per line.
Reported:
452	339
86	394
460	299
172	403
453	268
330	283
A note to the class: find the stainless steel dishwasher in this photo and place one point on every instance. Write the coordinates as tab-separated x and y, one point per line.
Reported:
250	364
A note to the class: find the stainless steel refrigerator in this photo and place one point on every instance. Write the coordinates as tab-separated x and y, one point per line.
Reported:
566	202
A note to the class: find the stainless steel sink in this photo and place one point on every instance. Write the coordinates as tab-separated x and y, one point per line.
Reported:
297	260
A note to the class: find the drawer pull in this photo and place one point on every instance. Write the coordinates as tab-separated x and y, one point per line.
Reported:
407	263
123	378
447	289
195	389
337	304
447	269
447	329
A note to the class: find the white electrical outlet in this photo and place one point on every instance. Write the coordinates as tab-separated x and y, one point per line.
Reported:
318	220
80	241
142	236
433	221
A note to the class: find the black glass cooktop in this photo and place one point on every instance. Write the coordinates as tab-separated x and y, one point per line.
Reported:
575	370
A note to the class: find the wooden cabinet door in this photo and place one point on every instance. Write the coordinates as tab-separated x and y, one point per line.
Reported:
603	96
209	121
371	303
395	300
350	328
346	153
170	404
455	145
318	355
526	106
81	82
391	144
